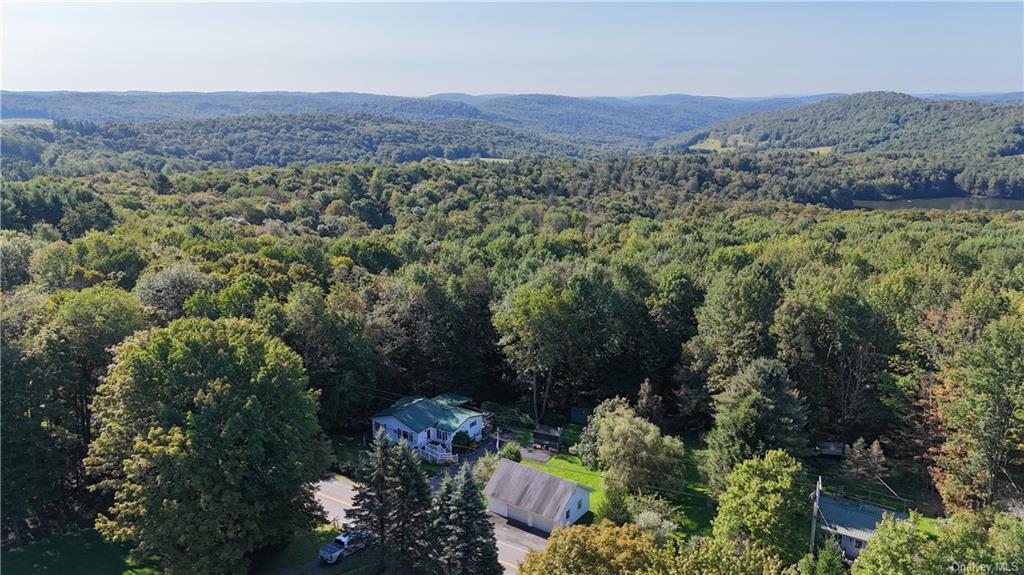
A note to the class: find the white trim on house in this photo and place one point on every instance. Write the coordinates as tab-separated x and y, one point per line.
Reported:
535	499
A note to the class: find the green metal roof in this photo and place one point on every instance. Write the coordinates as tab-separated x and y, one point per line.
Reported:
420	413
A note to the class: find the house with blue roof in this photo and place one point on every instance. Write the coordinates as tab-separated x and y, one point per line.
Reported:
430	425
852	522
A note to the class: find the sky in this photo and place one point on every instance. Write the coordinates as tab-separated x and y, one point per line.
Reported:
576	49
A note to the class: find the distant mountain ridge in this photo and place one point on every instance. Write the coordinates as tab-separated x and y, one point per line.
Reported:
943	146
619	124
888	122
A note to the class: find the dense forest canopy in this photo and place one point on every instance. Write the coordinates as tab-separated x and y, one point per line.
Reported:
864	146
208	298
982	143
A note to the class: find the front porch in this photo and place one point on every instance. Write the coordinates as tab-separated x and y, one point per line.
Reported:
436	452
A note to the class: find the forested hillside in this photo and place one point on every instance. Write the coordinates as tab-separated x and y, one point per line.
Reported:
635	121
135	107
79	148
981	143
866	146
194	305
883	122
534	285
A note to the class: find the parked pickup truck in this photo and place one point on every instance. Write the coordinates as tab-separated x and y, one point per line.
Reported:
342	546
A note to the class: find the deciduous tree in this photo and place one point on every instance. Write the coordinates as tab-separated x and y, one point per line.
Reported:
208	441
765	504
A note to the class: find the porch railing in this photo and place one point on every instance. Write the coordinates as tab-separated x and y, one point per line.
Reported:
436	454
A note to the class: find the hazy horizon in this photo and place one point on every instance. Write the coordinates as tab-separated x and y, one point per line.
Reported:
580	49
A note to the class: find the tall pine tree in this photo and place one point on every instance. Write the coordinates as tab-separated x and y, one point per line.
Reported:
410	508
464	536
371	511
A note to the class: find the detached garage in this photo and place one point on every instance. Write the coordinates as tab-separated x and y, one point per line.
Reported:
535	499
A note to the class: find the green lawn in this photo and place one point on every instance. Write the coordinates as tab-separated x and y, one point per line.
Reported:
569	467
694	499
691	497
85	553
301	557
82	553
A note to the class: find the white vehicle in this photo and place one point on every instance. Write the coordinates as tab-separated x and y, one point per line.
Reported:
342	546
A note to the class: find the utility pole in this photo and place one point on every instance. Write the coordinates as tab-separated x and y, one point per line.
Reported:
814	513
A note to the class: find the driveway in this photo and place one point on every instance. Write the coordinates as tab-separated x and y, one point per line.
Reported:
336	493
513	543
487	445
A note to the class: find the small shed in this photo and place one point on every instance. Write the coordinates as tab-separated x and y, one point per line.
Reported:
547	437
831	449
535	499
852	522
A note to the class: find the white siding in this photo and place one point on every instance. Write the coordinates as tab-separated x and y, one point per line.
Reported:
393	425
520	515
474	431
849	546
538	522
577	507
498	507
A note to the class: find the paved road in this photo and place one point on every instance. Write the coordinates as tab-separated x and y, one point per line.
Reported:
335	494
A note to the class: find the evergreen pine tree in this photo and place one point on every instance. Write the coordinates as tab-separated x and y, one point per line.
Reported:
876	459
864	461
615	506
649	404
410	507
464	542
856	462
481	547
446	530
372	505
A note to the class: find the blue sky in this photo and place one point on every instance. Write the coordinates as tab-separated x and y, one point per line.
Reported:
582	49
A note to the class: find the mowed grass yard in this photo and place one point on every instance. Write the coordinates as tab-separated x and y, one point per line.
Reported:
691	497
83	552
569	467
86	553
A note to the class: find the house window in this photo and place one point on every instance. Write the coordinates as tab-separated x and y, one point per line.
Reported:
579	504
442	435
566	513
858	543
472	424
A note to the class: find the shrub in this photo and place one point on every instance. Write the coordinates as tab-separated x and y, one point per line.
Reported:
511	451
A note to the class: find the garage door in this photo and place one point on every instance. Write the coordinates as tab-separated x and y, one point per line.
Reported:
517	514
542	524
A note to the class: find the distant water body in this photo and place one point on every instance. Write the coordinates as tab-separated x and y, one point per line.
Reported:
956	203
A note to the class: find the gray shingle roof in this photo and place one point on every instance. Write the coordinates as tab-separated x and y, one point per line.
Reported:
527	488
852	518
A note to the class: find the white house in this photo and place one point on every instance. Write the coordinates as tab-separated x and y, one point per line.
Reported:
852	522
535	499
430	425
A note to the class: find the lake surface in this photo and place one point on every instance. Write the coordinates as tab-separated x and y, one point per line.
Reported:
957	203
